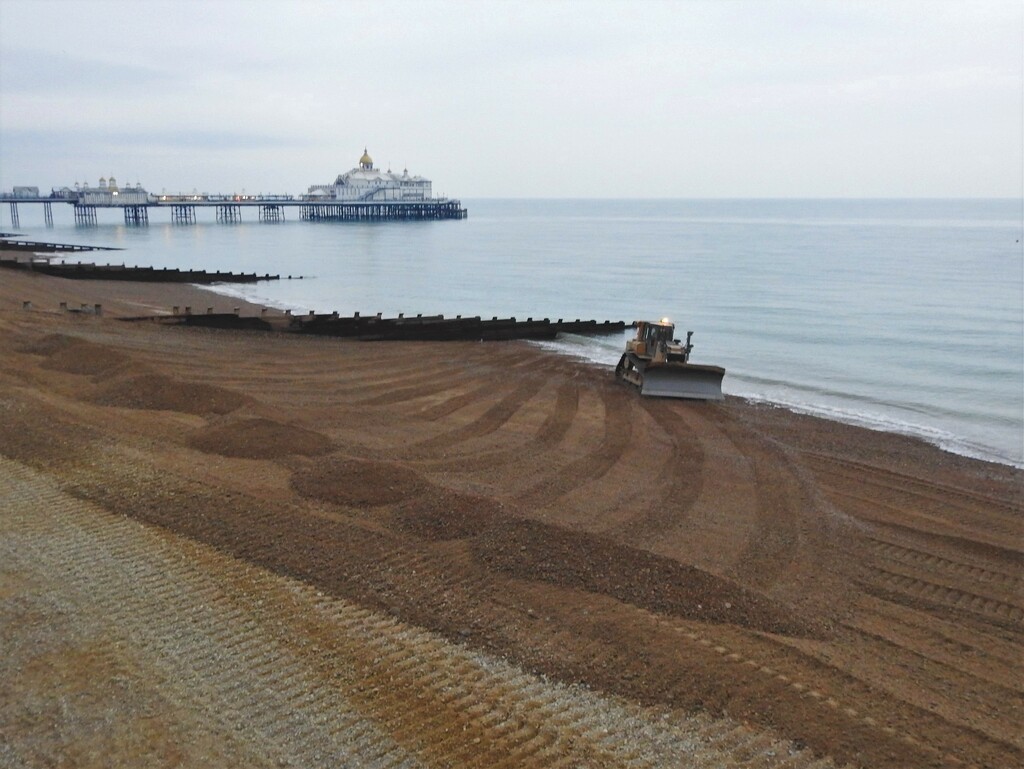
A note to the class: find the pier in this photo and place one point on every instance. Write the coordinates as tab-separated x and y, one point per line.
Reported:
229	208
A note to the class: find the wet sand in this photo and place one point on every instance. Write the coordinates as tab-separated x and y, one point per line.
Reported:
232	548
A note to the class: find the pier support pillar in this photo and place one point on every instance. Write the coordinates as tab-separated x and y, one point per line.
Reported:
229	214
271	213
136	215
183	214
14	215
48	214
85	215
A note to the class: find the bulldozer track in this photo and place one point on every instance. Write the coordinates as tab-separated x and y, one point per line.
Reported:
979	646
925	525
338	683
996	511
988	577
943	700
573	550
999	612
589	468
436	582
560	419
493	419
957	657
832	699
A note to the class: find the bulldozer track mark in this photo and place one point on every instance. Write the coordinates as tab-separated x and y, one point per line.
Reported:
788	537
956	660
926	526
379	555
919	558
970	641
992	556
945	496
944	695
398	695
420	389
457	402
283	591
555	427
681	477
829	703
421	382
618	426
998	612
371	548
491	420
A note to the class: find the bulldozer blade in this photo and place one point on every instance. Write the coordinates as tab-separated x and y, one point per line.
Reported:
684	381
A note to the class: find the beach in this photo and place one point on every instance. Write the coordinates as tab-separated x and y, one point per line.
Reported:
258	549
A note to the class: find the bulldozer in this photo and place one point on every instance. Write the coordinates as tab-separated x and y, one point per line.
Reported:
659	365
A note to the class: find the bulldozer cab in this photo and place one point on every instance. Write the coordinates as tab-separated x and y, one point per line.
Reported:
651	336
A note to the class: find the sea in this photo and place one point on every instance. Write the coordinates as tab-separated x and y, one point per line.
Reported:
901	315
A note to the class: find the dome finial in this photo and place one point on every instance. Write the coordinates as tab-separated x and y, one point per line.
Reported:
366	161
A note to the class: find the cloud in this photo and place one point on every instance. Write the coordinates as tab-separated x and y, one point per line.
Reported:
44	72
57	140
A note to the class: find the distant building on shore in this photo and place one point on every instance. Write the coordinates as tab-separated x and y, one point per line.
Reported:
364	183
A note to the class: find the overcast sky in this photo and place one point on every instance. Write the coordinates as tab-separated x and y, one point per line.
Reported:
680	98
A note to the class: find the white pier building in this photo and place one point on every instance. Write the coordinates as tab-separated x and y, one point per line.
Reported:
108	194
368	184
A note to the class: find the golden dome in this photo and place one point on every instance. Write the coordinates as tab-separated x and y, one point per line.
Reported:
365	160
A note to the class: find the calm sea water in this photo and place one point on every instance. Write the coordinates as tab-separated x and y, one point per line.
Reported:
902	315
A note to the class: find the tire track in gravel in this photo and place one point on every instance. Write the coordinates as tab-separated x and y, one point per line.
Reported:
936	687
987	658
662	501
953	672
956	506
491	420
925	587
618	426
373	570
338	684
935	527
998	583
538	454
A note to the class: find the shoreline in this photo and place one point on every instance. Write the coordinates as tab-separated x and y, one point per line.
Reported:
940	439
136	298
452	542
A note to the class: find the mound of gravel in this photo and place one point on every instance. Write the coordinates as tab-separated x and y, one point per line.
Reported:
533	550
358	482
259	439
158	392
441	514
78	356
48	344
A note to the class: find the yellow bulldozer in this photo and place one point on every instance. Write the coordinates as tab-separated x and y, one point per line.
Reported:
658	365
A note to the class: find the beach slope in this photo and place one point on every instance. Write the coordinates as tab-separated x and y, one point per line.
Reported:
253	549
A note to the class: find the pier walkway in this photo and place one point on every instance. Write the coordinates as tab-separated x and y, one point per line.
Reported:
229	208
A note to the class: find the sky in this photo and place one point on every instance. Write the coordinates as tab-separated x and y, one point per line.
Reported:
656	99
